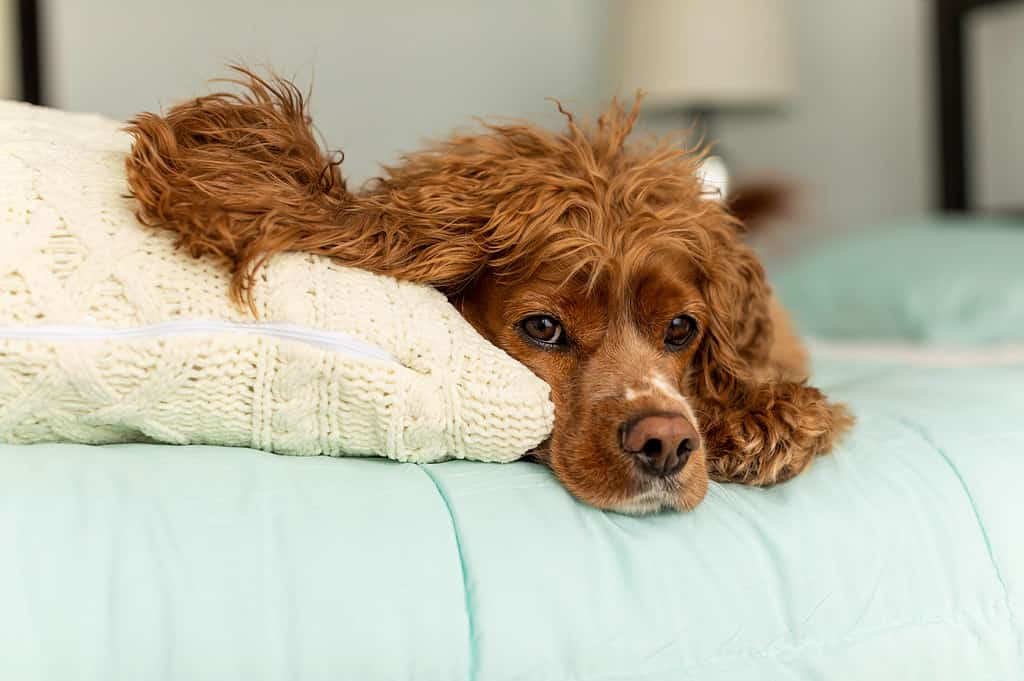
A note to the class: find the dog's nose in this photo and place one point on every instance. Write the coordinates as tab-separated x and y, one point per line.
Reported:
661	443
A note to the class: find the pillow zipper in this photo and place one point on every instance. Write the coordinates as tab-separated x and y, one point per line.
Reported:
329	340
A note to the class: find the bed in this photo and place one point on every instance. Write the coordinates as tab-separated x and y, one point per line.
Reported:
899	556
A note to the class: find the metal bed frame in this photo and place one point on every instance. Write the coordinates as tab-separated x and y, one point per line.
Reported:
954	181
30	51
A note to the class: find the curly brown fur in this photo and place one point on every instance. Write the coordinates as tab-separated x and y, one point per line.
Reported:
608	239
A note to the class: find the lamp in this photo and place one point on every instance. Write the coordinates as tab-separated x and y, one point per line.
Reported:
702	56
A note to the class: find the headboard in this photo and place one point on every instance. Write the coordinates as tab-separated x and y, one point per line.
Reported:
954	155
30	52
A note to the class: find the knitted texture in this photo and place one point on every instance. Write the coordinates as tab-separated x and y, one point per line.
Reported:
72	253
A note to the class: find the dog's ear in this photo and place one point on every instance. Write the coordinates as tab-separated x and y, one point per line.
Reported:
241	176
758	428
229	171
739	336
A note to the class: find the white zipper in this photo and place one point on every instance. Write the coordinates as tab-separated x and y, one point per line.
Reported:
329	340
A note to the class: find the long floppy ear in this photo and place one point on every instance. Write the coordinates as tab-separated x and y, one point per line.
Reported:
227	171
740	334
758	429
240	176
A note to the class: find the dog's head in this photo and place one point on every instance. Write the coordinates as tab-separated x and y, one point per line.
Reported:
631	353
603	267
608	271
633	300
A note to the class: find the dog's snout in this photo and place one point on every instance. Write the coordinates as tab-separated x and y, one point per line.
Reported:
661	443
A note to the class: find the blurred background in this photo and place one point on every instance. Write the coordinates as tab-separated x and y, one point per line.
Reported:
847	114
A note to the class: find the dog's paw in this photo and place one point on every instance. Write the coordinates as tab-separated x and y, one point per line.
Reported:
777	438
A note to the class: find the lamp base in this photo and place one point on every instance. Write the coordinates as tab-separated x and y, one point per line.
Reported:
714	175
714	170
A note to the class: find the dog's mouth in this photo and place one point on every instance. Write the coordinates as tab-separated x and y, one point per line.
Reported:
653	500
647	493
678	493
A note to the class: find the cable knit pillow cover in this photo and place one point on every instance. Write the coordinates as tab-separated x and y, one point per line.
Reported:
107	334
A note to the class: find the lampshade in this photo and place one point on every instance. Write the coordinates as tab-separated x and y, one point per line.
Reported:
8	50
706	53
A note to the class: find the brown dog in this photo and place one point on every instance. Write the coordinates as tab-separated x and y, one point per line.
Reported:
599	265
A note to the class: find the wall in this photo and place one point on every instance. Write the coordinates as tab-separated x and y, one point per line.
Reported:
858	134
387	73
9	76
995	39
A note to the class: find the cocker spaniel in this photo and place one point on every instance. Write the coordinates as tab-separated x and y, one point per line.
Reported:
599	264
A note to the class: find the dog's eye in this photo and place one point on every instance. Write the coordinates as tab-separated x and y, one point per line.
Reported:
681	331
544	329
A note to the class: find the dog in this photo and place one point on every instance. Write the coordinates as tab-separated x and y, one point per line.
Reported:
599	263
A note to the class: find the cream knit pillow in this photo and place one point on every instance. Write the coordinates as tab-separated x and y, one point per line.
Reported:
107	334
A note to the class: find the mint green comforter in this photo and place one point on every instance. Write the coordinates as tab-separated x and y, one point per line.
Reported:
901	556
